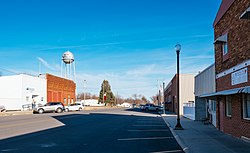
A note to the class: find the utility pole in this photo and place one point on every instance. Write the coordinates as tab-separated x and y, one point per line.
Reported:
159	99
103	92
163	98
116	98
84	85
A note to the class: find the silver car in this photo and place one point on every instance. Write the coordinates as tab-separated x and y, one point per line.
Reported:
74	107
50	107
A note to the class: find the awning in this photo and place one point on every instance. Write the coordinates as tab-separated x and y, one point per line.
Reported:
227	92
221	39
246	90
246	14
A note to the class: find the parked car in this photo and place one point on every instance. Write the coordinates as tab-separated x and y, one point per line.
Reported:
152	107
142	107
2	109
74	107
49	107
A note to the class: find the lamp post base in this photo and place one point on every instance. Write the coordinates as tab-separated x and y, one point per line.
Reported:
178	126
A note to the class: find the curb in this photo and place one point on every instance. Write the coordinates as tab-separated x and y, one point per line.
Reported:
15	113
176	136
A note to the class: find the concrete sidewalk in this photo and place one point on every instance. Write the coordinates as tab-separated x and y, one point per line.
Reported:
199	138
13	113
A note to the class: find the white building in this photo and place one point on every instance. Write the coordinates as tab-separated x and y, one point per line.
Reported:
17	92
205	107
91	102
186	93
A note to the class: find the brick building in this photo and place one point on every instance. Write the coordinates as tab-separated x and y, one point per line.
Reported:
232	67
186	92
60	89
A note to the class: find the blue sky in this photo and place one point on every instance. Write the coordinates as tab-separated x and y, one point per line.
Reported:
130	43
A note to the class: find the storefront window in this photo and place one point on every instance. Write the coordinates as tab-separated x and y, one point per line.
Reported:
228	106
246	106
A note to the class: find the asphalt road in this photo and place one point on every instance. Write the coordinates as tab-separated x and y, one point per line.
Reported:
103	131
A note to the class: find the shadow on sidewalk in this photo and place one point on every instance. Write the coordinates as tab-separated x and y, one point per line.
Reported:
198	137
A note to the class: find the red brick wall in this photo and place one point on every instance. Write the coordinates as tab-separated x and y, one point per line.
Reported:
60	88
238	51
171	91
238	36
235	125
224	83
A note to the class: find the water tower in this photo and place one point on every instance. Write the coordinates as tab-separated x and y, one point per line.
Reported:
69	69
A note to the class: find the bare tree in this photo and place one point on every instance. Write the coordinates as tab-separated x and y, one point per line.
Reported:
88	95
154	99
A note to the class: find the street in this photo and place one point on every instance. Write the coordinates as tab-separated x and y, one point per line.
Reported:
102	131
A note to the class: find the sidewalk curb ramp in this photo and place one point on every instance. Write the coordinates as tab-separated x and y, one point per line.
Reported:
176	136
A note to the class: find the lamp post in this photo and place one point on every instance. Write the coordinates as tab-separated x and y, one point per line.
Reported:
178	124
84	86
163	97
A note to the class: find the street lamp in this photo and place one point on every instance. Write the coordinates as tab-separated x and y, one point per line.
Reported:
163	97
178	124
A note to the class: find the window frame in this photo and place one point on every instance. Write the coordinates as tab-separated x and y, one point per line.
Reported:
224	48
244	103
228	104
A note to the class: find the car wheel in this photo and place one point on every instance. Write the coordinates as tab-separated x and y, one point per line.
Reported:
80	109
40	111
59	110
146	109
67	110
157	109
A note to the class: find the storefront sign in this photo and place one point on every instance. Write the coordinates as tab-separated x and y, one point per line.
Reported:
239	76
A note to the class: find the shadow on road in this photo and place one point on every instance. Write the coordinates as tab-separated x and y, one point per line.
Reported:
97	132
142	111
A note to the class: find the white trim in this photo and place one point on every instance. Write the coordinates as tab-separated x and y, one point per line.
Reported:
244	14
228	100
244	98
245	139
222	39
224	48
233	69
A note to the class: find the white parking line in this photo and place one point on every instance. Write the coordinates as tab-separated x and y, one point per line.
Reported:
168	151
156	130
152	138
151	125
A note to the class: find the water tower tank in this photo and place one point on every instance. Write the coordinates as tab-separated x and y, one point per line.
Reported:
68	57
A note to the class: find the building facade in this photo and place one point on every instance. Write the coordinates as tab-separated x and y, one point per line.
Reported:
232	67
60	90
18	92
205	107
186	93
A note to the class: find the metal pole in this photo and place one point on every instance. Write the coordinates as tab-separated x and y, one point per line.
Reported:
178	125
103	92
159	98
164	112
84	85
